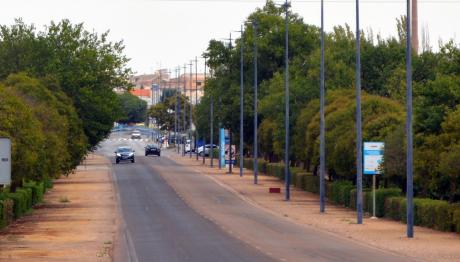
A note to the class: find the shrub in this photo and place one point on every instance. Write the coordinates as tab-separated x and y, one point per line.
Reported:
393	207
300	179
38	190
352	202
340	192
430	213
311	183
22	199
294	171
380	195
6	212
261	165
456	219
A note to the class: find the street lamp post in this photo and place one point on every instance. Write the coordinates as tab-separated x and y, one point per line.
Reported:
241	102
359	157
196	103
185	109
191	109
178	107
322	164
287	175
204	139
256	153
175	120
409	161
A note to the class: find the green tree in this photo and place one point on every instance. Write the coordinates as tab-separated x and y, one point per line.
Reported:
86	65
134	109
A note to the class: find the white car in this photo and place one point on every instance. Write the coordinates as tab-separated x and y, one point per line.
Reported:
188	146
206	149
136	135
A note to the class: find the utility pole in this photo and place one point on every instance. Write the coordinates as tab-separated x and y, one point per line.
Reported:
322	165
287	175
409	156
256	143
359	148
204	136
178	108
196	103
241	102
191	109
185	109
175	120
212	130
230	163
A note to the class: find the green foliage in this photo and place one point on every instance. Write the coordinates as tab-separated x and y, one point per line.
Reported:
340	192
17	122
86	66
134	109
430	213
456	218
22	199
38	191
6	211
164	112
381	195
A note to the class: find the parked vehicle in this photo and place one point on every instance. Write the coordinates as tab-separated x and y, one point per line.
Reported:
206	149
152	150
136	134
124	153
188	146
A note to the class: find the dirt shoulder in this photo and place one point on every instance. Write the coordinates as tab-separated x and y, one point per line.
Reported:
78	220
303	208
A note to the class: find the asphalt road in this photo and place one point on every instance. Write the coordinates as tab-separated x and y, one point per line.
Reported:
173	213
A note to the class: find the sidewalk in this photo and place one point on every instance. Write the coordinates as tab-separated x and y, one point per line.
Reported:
77	221
303	208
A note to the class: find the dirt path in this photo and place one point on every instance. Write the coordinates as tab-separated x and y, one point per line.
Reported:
428	245
77	221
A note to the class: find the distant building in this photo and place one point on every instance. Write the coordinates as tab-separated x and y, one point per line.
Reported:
153	85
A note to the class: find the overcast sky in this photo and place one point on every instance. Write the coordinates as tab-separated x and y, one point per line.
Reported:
168	33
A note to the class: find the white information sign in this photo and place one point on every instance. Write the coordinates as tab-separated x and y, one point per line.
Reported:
373	157
5	161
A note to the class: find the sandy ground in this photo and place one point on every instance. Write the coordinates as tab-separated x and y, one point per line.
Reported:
82	229
303	208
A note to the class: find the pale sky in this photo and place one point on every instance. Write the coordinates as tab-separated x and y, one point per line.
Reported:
168	33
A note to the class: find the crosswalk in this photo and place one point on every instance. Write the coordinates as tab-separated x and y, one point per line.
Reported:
127	139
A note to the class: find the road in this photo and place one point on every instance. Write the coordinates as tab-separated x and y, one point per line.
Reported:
173	213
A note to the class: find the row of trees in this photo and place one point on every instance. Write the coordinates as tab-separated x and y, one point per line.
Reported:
56	95
436	77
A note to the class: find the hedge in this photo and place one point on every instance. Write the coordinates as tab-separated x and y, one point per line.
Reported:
436	214
340	192
15	205
380	195
38	190
6	212
456	218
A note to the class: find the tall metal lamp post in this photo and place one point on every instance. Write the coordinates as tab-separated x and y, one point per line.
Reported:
287	175
359	147
322	150
409	161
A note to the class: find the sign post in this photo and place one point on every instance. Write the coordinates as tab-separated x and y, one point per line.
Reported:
5	161
373	157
